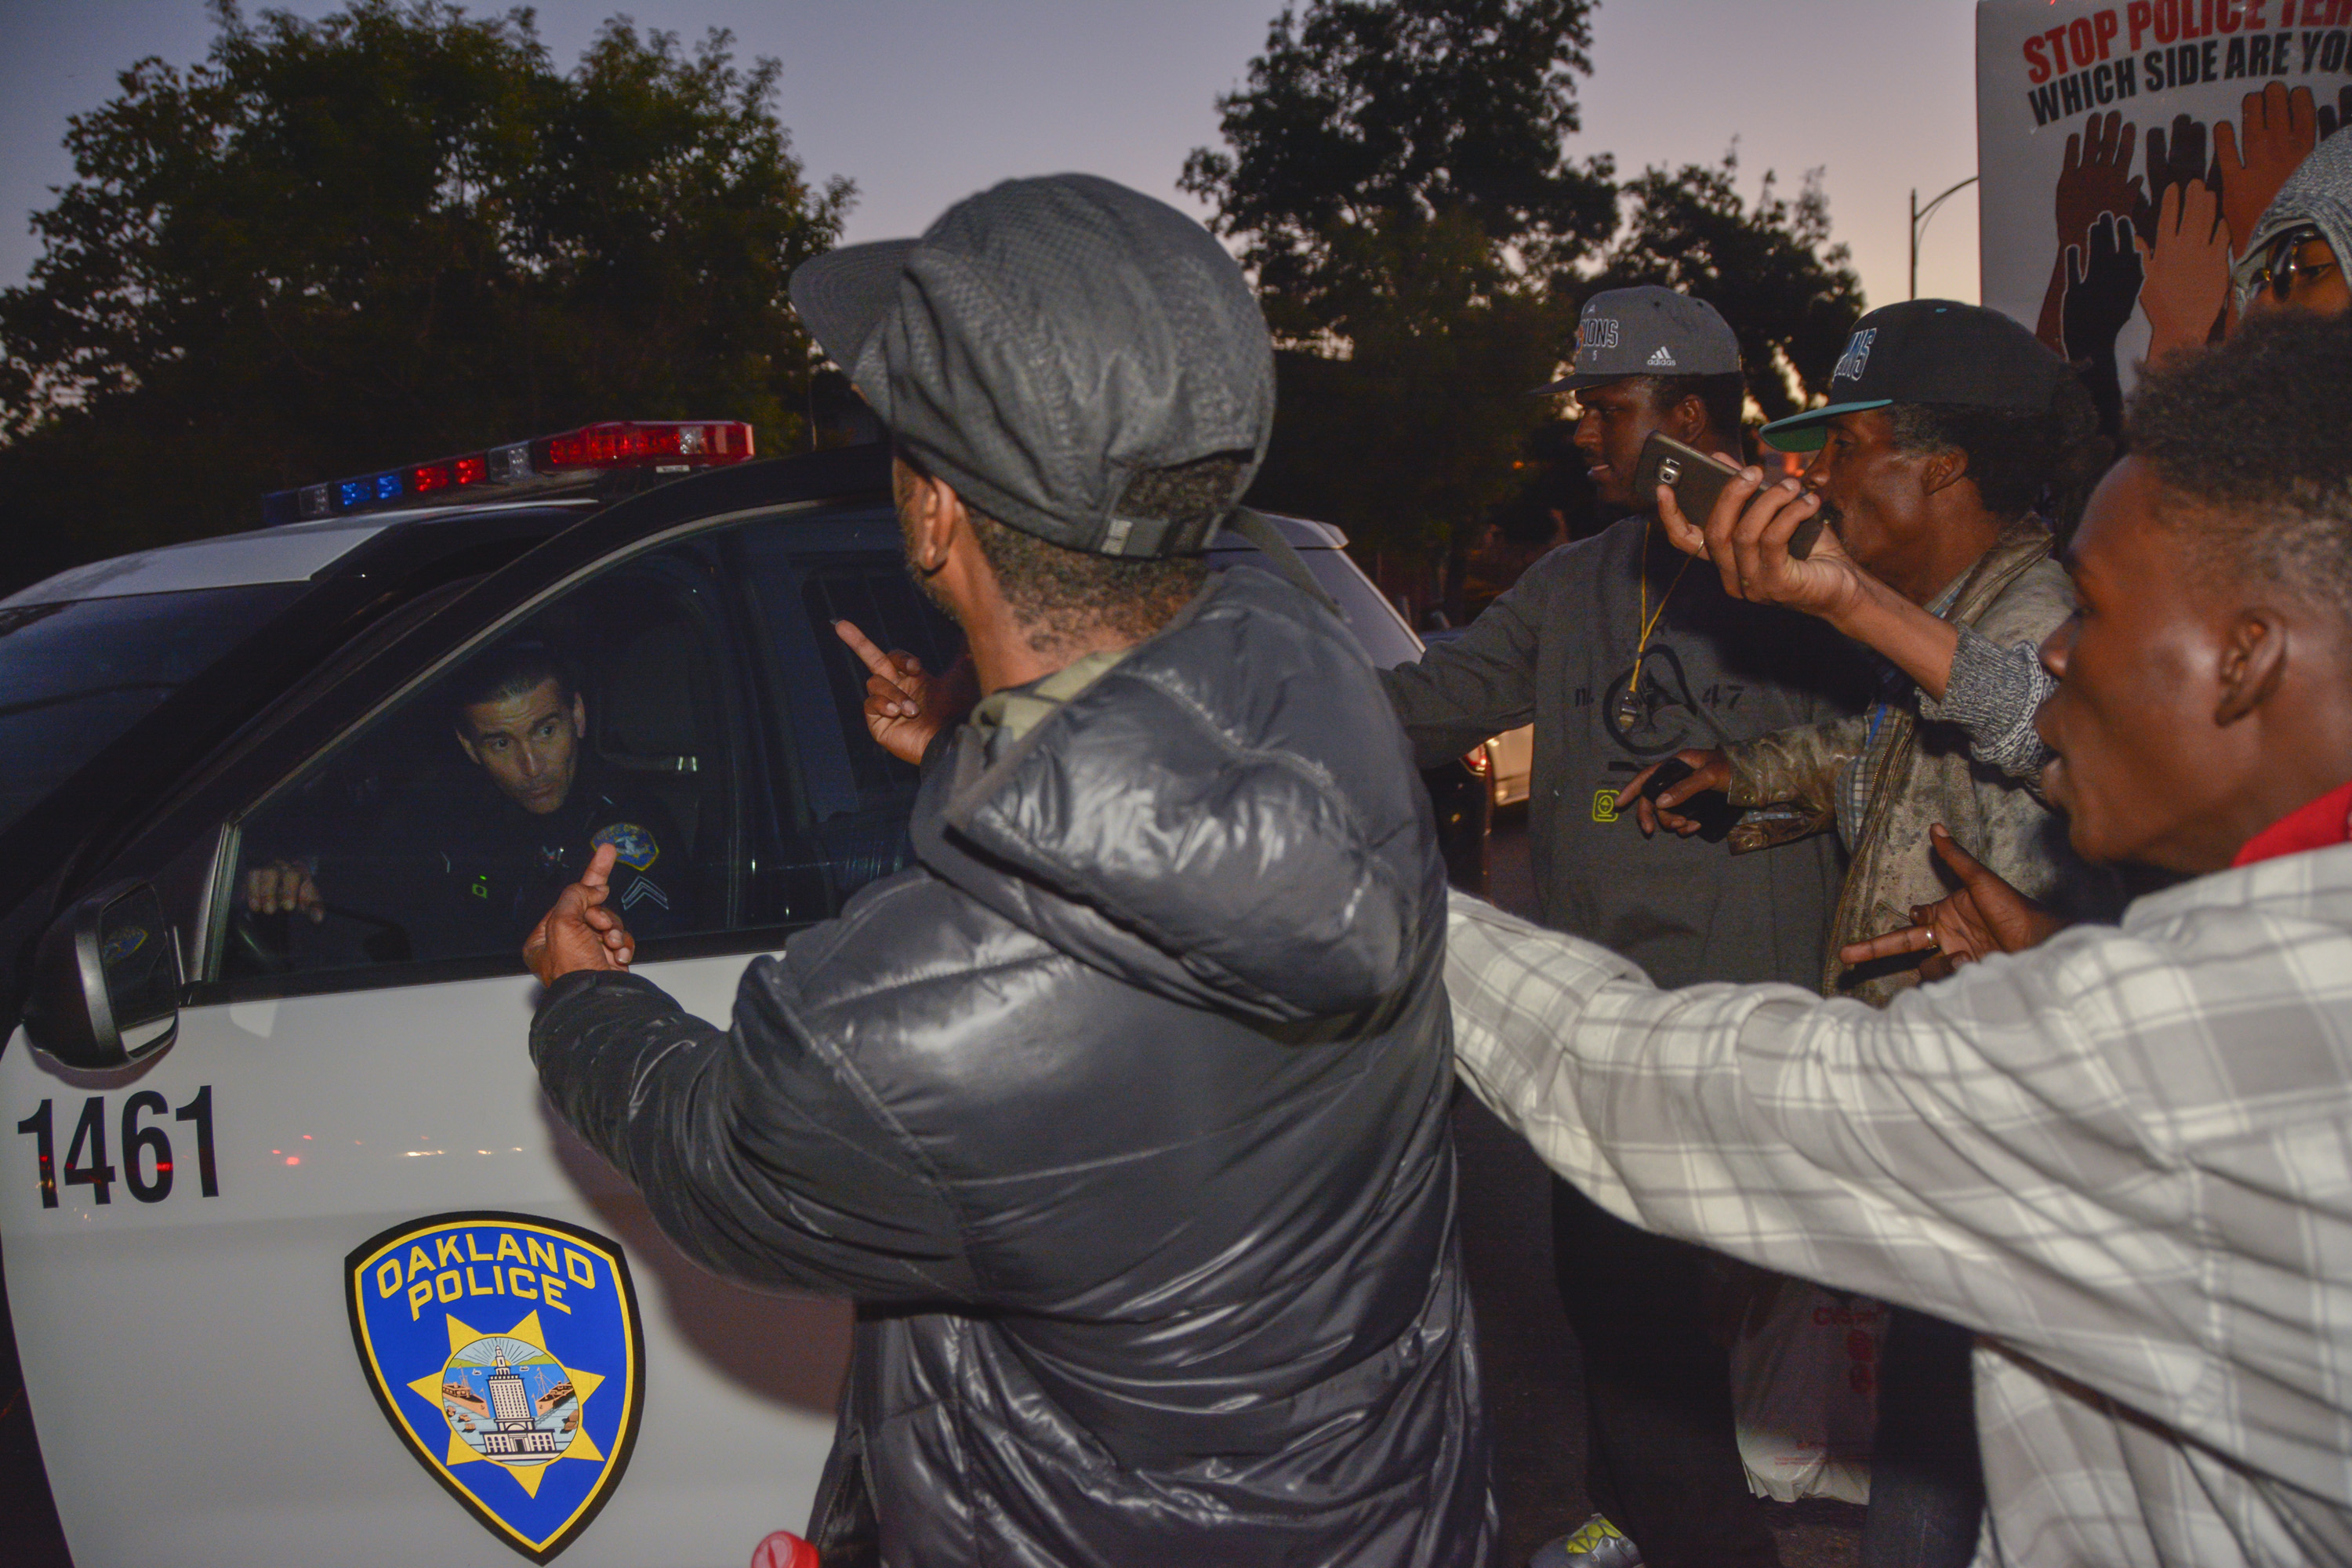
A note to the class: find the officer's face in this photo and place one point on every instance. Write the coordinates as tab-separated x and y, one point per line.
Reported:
529	744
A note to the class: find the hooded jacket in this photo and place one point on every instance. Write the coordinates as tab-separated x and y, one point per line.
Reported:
2319	193
1124	1118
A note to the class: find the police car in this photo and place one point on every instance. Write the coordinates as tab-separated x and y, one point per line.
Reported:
300	1267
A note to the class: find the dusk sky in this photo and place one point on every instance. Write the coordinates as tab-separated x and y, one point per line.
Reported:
921	103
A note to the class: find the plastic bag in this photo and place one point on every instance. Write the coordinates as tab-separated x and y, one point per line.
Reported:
1804	1389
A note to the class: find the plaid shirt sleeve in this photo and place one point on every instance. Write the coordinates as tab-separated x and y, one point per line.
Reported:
2122	1156
1916	1153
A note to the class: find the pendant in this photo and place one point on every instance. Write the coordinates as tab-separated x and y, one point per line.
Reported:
1629	712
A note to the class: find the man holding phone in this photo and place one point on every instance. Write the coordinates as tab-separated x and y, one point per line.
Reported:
1945	425
1621	651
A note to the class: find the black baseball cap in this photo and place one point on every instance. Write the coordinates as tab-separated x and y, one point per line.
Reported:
1046	340
1929	351
1648	331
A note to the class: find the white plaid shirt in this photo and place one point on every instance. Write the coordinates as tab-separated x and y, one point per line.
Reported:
2125	1158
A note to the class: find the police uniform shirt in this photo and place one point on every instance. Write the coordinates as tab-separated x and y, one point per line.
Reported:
499	866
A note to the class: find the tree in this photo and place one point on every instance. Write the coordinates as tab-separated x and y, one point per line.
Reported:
1787	292
1417	427
1396	176
1371	120
390	233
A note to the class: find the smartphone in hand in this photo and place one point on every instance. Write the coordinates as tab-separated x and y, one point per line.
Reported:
1714	814
1697	479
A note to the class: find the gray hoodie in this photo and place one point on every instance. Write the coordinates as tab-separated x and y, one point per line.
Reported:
2318	193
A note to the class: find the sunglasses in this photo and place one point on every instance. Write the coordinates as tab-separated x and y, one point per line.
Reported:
2282	270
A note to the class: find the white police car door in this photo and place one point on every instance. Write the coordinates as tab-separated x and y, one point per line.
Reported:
325	1281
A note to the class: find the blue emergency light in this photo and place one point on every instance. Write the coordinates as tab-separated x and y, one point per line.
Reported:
574	455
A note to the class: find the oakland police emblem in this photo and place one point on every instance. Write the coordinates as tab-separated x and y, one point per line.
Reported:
506	1351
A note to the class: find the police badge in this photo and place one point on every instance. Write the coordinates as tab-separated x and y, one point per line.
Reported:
505	1351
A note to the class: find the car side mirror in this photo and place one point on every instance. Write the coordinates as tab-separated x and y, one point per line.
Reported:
106	980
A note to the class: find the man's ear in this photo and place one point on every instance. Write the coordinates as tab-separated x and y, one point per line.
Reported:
2254	662
937	512
465	744
1686	420
1943	469
579	716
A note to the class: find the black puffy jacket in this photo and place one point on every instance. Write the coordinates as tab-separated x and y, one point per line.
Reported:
1124	1119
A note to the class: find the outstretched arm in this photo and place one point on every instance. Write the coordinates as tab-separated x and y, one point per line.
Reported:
755	1151
1747	537
1961	1152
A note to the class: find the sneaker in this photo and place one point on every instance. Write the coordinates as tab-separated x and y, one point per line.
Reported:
1595	1543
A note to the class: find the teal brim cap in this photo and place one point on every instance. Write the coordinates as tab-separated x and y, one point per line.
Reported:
1805	432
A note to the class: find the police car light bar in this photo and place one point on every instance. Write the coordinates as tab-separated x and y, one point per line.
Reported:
568	458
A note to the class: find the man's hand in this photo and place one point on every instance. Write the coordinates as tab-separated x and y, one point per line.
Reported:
284	886
1985	916
580	932
905	706
1747	536
2281	127
1709	771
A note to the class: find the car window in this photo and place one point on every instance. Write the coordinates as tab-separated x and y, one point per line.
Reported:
74	675
840	801
442	830
692	707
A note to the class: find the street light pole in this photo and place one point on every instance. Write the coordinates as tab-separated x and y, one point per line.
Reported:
1919	216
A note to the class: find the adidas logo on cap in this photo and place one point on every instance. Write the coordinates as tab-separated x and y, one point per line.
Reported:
1662	358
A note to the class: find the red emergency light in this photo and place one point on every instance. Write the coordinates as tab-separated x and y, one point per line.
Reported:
568	458
620	444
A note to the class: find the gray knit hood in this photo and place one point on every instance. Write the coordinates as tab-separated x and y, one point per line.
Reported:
2318	193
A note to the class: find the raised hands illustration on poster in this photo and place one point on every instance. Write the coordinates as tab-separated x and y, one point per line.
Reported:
2103	278
2281	129
2334	117
2094	182
2173	160
2185	258
2123	148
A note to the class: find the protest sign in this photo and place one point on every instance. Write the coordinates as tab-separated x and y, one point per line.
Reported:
2127	150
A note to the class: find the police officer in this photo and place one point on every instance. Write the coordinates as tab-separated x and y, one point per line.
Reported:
496	857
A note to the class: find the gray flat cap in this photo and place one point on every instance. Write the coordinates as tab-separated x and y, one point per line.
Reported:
1046	340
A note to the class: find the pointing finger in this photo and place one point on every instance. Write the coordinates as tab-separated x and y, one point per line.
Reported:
599	874
1894	944
1966	866
1633	790
873	658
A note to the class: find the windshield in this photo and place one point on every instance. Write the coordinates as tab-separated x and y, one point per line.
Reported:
75	675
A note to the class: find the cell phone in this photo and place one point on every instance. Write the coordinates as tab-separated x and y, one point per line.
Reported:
1714	814
1697	479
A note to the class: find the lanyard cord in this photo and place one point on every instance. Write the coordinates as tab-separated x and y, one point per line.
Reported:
1642	618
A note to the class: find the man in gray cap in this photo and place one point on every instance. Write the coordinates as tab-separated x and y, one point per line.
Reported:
1122	1115
1620	656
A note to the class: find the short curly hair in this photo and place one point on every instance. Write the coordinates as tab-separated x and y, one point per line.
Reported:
2046	462
2252	442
